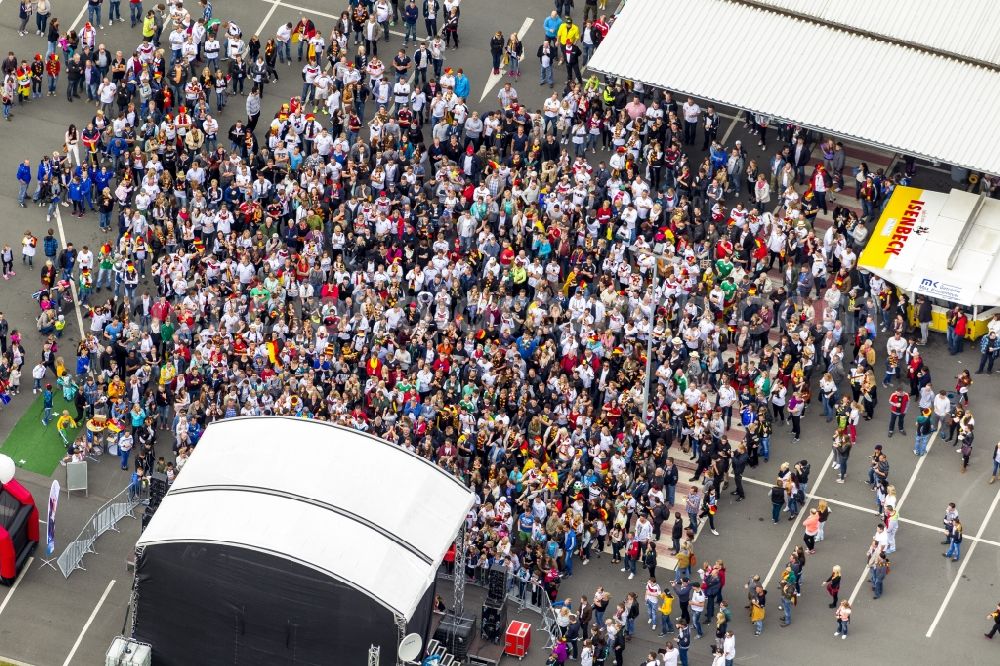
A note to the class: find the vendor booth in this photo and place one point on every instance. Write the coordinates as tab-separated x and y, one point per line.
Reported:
943	246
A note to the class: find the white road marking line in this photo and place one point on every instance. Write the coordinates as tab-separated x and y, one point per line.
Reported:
8	660
961	568
79	17
902	498
494	79
304	10
732	126
72	281
267	17
13	588
865	509
309	10
783	553
90	620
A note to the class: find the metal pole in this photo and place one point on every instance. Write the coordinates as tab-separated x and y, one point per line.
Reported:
459	579
649	340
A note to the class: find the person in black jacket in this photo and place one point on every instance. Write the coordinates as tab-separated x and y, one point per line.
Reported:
619	648
777	500
573	636
660	513
739	466
74	76
571	56
432	9
451	28
676	532
670	478
551	149
497	44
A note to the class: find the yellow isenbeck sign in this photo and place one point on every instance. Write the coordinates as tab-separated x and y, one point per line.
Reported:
894	227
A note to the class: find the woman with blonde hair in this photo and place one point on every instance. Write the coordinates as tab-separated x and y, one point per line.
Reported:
843	616
514	51
823	509
832	585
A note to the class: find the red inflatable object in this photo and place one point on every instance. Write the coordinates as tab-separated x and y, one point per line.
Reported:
18	533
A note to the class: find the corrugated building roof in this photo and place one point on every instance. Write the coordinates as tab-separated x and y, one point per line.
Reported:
967	29
893	96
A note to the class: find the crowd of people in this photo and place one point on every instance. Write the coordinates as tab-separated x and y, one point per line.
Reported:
556	328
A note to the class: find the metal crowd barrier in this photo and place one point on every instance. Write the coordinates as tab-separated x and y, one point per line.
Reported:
104	519
527	596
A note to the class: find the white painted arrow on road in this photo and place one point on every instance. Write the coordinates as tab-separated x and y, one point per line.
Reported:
494	79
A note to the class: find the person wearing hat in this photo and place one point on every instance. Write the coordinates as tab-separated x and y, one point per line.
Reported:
571	53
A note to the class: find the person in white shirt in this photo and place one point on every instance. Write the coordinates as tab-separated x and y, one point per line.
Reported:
692	114
283	38
729	647
106	91
897	343
85	258
643	530
879	542
727	398
652	599
993	326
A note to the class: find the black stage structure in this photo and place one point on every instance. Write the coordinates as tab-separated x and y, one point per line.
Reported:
286	540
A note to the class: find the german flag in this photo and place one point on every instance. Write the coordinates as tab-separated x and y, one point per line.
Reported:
273	353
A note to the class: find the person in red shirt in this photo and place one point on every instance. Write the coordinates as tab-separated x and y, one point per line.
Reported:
506	255
898	402
613	413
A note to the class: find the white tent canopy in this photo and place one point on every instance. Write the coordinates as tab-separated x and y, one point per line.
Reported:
361	510
940	245
877	90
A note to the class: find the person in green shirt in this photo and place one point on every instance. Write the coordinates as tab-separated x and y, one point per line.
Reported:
681	380
260	293
729	289
517	273
723	268
105	268
167	334
314	220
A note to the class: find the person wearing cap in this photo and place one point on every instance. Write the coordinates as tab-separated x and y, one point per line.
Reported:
46	402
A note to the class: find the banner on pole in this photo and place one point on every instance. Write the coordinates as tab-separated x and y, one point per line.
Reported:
50	521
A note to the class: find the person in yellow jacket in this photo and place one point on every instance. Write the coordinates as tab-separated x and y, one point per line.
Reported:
666	607
149	26
62	423
518	274
568	33
167	373
23	74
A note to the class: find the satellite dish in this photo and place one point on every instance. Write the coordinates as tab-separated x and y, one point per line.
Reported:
409	647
